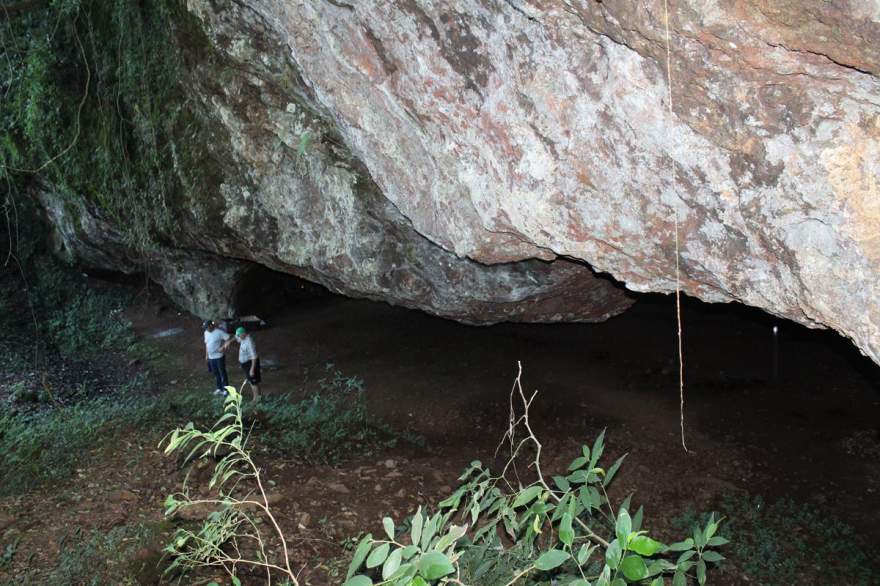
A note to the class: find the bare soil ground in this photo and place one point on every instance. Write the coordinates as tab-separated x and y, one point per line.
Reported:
811	435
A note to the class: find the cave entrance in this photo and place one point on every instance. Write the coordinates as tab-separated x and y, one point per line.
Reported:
267	293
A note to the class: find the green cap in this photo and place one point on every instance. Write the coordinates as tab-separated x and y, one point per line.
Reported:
240	331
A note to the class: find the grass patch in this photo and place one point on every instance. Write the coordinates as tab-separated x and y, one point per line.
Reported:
47	446
790	543
90	559
327	425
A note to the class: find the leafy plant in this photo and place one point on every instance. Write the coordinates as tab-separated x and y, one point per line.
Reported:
497	530
231	536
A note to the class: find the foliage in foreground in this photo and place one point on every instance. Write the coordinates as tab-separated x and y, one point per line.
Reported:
232	535
561	531
566	533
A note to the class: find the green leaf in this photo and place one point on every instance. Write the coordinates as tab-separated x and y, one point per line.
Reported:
637	519
657	582
699	537
578	463
454	534
235	581
453	500
566	533
644	545
409	551
634	568
682	545
598	448
613	470
623	527
660	566
716	541
584	554
679	579
429	530
578	582
403	574
360	554
434	565
527	495
418	581
389	527
377	558
551	559
416	531
358	581
613	554
711	527
562	483
685	556
701	572
391	564
712	556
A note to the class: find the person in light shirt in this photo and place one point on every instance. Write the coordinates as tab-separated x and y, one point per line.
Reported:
249	360
216	341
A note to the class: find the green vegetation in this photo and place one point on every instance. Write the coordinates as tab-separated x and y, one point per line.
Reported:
231	536
48	446
88	558
568	533
790	543
325	426
93	111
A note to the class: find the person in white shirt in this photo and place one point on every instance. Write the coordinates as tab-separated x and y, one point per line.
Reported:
249	360
215	346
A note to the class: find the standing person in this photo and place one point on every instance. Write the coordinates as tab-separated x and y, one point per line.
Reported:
215	344
249	360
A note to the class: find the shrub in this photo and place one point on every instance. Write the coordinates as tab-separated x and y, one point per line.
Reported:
91	323
561	531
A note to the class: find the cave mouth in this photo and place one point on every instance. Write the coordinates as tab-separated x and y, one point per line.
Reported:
266	293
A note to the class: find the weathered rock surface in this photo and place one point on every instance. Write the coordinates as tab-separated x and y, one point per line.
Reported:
457	156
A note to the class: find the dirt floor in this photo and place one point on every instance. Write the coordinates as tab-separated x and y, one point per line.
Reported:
797	415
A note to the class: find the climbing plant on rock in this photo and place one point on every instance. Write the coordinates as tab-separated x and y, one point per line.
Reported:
92	109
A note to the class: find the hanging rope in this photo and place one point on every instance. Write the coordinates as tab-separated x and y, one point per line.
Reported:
677	245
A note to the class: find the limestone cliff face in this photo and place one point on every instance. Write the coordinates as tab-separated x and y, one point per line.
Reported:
469	157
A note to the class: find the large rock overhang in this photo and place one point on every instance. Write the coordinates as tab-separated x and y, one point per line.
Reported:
475	159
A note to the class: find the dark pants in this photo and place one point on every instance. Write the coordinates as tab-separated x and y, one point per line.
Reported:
246	367
218	367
